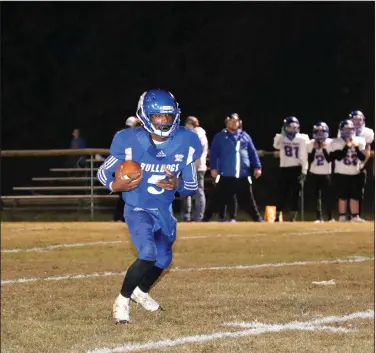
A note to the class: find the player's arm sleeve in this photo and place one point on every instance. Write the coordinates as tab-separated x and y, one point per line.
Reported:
108	167
277	143
311	155
188	182
304	156
361	156
327	155
253	155
311	150
214	152
369	139
339	154
360	150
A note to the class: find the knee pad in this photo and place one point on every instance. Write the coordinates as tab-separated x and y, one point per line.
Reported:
143	265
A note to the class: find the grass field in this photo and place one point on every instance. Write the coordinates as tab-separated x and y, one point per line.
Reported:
241	287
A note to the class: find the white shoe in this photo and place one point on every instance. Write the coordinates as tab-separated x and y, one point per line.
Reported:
332	220
121	310
145	300
318	221
357	219
342	219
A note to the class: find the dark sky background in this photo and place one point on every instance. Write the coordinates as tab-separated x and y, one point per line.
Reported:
85	64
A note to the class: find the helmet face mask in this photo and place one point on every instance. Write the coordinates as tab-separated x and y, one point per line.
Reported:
320	131
159	112
347	129
358	118
291	126
162	122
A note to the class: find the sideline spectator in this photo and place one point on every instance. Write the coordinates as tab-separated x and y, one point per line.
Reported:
232	159
193	123
77	143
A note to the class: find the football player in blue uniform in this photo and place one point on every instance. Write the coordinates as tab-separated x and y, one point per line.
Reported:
166	153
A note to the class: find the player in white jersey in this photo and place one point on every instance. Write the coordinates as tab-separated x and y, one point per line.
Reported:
348	153
358	118
320	169
292	147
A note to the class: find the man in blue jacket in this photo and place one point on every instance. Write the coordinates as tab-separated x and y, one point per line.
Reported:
232	158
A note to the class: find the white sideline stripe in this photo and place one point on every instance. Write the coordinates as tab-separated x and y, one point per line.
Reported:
73	245
280	264
193	269
34	228
257	329
325	231
53	247
319	321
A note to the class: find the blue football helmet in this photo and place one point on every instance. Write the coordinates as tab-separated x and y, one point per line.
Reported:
158	101
359	120
346	129
291	126
320	131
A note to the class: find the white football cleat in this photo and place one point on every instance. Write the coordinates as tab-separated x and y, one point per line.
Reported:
318	221
121	310
357	219
145	300
332	220
342	219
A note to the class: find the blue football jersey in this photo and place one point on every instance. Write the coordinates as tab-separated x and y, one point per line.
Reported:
178	154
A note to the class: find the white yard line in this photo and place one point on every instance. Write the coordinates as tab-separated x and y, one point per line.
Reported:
36	228
58	246
325	232
314	322
256	329
104	243
280	264
193	269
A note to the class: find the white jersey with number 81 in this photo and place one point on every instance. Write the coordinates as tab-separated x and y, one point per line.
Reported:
292	153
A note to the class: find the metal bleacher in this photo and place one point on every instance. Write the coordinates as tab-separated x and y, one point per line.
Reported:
66	189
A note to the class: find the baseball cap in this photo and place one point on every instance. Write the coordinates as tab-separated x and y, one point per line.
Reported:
131	121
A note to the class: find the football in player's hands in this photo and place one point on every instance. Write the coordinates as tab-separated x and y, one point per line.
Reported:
128	176
128	170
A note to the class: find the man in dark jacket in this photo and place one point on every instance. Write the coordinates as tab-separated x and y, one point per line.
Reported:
232	159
